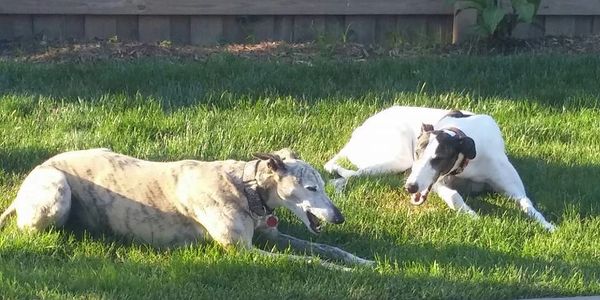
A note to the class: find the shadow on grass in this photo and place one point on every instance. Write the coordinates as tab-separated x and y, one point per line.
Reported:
31	274
224	81
21	161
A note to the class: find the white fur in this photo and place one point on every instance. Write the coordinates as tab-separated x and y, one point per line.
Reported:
490	166
385	142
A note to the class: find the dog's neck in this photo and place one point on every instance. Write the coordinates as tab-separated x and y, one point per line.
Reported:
462	162
253	191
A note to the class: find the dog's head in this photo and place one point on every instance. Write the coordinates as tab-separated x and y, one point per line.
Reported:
296	185
438	152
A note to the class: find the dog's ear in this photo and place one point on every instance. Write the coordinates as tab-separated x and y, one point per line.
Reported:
426	127
286	153
274	162
466	146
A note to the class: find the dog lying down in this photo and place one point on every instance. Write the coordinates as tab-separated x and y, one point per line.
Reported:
168	204
462	151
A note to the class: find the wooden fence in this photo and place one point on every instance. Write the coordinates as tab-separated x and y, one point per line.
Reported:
232	21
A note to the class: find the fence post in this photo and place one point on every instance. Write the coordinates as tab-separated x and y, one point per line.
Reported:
464	19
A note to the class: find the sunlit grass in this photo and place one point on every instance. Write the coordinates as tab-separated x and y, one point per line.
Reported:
230	108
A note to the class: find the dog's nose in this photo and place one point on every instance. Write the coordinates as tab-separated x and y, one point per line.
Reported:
411	187
338	218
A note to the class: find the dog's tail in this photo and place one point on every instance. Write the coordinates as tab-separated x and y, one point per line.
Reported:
11	209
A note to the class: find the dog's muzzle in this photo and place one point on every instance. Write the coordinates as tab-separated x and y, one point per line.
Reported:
338	218
411	187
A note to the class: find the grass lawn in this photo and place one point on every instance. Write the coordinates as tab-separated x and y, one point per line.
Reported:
227	107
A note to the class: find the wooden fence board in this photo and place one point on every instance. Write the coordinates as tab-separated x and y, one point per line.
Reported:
6	28
596	25
361	28
154	28
412	28
74	27
434	28
180	29
260	28
229	7
386	31
308	28
534	30
335	28
583	25
283	28
127	28
560	25
15	27
569	7
234	29
206	30
100	27
50	27
446	28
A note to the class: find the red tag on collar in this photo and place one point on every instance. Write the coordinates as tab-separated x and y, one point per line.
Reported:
272	221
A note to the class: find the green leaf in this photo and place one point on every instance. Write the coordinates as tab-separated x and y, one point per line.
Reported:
491	17
525	10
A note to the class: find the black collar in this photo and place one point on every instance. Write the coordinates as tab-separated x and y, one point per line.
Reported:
251	190
465	161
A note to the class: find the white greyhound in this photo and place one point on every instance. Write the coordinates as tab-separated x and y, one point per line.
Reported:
384	143
465	149
389	141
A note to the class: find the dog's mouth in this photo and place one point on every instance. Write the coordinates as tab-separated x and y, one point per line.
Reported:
314	222
419	198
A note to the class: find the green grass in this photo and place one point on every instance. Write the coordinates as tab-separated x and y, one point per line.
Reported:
547	107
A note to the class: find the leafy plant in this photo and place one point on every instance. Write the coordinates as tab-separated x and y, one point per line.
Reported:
498	18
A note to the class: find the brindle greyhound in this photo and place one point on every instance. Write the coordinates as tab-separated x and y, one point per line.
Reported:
176	203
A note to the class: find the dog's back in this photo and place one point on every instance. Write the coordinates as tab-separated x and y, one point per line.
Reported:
133	197
385	142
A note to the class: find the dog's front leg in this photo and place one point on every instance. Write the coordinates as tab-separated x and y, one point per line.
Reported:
453	199
307	259
331	252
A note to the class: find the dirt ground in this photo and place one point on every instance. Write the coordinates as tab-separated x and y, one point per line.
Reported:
42	51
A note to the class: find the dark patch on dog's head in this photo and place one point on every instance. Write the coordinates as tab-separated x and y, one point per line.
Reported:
423	139
446	154
274	162
448	149
457	114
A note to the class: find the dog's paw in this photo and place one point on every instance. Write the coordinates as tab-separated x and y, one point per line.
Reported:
471	213
549	227
368	263
339	184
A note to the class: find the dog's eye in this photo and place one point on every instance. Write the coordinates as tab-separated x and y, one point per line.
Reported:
311	188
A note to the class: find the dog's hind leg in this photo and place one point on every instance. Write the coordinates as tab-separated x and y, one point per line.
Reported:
10	210
333	167
377	169
43	200
506	180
